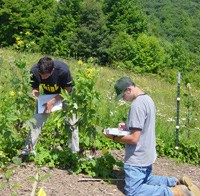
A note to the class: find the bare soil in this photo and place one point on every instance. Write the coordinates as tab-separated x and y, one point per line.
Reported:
61	182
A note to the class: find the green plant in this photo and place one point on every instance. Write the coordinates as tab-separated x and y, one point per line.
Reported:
8	172
191	104
99	167
24	42
38	178
160	147
84	98
16	105
186	153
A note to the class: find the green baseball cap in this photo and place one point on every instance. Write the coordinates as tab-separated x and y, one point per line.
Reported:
121	86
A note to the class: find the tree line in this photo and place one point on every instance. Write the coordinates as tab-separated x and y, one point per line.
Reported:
138	35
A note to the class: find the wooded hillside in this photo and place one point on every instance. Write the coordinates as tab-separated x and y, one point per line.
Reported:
138	35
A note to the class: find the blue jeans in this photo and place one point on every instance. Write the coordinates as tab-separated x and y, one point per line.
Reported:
139	181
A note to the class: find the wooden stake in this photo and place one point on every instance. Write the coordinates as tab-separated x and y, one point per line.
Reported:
35	184
97	179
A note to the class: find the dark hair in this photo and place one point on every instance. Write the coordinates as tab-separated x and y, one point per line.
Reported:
45	65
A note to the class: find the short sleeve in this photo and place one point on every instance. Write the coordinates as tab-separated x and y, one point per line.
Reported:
137	117
65	79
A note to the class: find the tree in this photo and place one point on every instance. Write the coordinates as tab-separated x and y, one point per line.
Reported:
126	16
91	32
150	54
63	26
172	20
18	17
12	19
123	48
180	58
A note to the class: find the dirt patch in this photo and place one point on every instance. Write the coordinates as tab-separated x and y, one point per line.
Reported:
61	182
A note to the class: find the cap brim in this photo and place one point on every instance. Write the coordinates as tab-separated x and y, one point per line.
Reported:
118	97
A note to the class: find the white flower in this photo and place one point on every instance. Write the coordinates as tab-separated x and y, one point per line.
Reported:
170	120
121	102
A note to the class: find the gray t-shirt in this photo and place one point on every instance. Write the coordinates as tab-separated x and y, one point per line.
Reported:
142	117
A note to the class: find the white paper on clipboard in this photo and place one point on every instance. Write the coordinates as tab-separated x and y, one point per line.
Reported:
116	131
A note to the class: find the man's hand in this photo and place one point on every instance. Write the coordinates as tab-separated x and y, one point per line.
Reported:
49	105
105	132
122	126
35	92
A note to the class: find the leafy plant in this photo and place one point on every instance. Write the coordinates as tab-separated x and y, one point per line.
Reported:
84	98
99	167
191	104
14	88
38	178
7	175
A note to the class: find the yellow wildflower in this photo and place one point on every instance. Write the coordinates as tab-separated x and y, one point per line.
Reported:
18	38
27	33
90	73
12	93
20	42
80	62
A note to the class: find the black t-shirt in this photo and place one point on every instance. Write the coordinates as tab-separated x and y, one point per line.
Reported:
60	78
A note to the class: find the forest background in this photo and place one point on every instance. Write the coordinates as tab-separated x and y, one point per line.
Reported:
142	36
150	41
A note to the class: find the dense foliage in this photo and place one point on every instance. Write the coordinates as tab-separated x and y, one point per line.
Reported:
142	36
